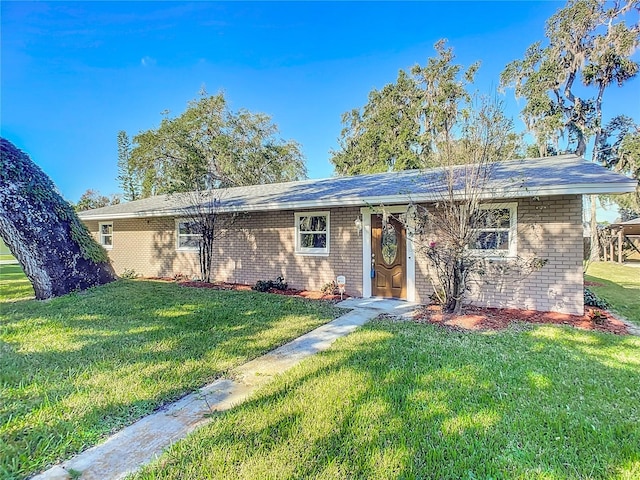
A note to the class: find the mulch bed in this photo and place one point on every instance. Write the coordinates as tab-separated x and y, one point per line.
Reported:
475	318
480	318
291	292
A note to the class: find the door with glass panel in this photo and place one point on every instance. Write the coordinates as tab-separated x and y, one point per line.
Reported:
388	257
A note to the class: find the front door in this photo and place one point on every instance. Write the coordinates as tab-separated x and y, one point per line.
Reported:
388	258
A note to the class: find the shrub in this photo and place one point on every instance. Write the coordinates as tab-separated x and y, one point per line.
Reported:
266	285
597	316
329	288
592	300
129	273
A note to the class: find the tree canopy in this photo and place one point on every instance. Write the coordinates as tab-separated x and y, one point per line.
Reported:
588	48
207	146
404	125
94	199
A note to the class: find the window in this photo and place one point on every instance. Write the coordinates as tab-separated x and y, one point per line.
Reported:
494	229
312	233
187	235
105	230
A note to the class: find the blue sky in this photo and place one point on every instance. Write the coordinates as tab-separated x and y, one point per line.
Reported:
75	73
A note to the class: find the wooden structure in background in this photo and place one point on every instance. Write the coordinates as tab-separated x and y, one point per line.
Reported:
622	242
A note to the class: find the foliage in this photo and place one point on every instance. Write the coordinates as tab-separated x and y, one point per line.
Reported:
403	125
587	40
91	199
82	366
200	208
592	300
129	273
209	146
329	288
619	286
400	400
596	316
266	285
619	150
127	174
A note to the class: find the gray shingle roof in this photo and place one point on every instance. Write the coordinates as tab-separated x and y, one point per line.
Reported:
565	174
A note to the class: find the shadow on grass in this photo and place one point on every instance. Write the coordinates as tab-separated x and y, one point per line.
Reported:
76	368
401	400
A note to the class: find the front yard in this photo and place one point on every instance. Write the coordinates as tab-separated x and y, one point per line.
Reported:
77	368
395	399
406	400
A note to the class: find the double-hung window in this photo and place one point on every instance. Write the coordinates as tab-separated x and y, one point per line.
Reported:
105	230
187	236
494	230
312	233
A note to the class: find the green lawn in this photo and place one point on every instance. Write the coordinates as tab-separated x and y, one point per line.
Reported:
6	256
77	368
14	284
621	287
400	400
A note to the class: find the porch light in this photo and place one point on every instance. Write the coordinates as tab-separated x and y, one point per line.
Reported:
358	224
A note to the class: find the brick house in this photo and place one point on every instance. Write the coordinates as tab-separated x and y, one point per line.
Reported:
314	230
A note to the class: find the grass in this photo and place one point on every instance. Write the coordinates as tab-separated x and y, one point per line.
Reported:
400	400
77	368
14	285
6	256
621	287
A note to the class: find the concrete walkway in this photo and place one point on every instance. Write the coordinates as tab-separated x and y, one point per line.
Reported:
126	451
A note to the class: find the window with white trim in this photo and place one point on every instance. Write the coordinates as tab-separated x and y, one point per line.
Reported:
187	236
494	230
105	232
312	233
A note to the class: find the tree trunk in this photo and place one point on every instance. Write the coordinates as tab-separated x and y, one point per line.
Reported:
43	232
594	254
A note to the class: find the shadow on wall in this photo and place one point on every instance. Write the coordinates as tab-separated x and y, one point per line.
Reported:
166	261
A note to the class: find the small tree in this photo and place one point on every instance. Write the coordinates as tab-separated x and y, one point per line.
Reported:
201	211
468	154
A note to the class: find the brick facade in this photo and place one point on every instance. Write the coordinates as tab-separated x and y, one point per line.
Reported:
548	228
261	246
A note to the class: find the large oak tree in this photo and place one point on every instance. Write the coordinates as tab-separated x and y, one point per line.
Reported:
43	232
588	48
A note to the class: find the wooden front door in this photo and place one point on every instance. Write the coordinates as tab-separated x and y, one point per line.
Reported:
388	258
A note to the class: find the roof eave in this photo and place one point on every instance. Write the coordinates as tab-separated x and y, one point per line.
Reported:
575	189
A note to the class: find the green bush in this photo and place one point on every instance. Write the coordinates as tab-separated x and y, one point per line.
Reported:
266	285
592	300
129	273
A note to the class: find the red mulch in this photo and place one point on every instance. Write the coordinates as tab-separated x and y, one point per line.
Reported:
475	318
593	284
313	295
480	318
